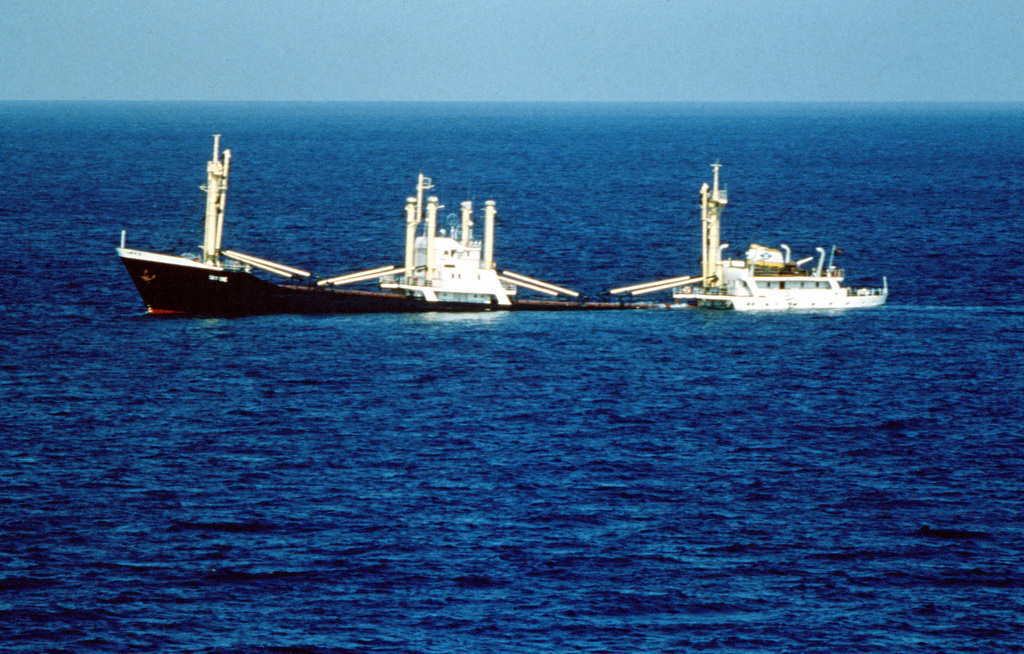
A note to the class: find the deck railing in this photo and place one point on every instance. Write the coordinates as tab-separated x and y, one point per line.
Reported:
864	291
780	271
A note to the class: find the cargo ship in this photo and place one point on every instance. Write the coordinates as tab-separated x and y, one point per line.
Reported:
765	279
452	272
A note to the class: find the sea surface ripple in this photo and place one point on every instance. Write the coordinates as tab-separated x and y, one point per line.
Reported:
662	481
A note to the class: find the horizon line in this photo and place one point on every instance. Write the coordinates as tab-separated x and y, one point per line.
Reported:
511	102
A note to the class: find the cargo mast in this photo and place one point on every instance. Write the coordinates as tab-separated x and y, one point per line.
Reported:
216	194
711	202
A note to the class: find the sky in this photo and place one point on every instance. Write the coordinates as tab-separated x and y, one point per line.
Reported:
512	50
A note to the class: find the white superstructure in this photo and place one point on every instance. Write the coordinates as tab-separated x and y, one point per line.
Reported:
453	267
765	279
754	284
450	267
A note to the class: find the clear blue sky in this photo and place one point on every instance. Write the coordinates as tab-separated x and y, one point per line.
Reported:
505	50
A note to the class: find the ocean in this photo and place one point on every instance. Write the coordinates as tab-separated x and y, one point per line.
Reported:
656	481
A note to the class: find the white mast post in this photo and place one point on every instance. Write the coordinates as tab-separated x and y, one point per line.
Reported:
714	244
412	219
704	235
422	184
467	220
432	207
216	195
222	201
489	213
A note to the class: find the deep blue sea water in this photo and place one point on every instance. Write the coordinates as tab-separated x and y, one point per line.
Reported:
658	481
